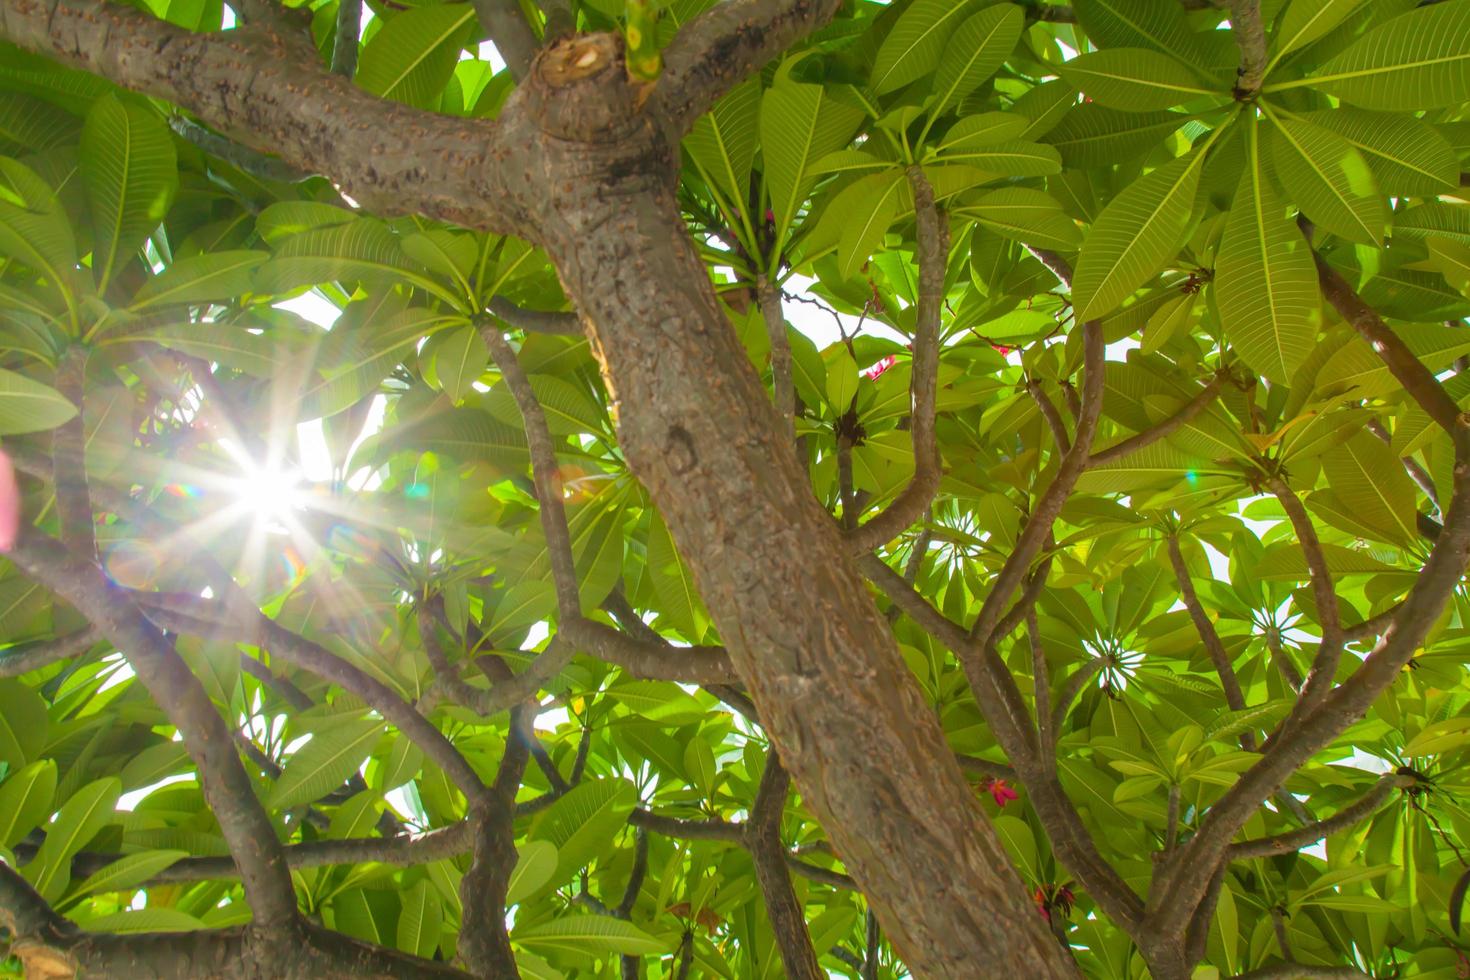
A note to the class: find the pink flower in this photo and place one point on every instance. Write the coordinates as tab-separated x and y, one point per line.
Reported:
9	504
1000	791
1000	349
881	365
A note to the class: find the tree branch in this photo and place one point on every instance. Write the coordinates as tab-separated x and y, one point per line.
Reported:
535	321
243	822
1208	635
723	45
1186	414
1407	369
484	945
23	659
763	838
242	158
347	39
1176	888
1323	673
1051	415
784	392
933	254
270	89
507	27
1250	36
1295	840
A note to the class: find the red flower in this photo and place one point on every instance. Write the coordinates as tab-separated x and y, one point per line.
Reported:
1048	897
1000	349
9	504
878	367
1000	791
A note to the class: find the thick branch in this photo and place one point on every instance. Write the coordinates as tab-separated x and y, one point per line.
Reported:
763	838
270	90
728	42
1250	36
346	41
535	321
243	822
1295	840
18	660
507	27
933	254
483	943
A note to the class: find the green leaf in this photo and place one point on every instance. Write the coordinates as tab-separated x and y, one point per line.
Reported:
1012	159
866	208
325	762
412	56
914	44
30	124
1091	135
1439	736
535	865
974	52
1452	258
26	797
589	934
723	142
33	227
363	250
420	920
699	764
678	596
1328	178
23	720
1026	215
1367	478
199	278
1134	79
799	124
584	821
130	172
262	355
1136	234
1307	20
1265	280
1418	60
29	406
144	920
460	357
1406	155
842	379
128	872
1139	24
77	822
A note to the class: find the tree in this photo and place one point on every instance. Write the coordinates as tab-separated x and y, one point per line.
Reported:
632	633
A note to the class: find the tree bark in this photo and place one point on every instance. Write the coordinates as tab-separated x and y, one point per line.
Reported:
800	627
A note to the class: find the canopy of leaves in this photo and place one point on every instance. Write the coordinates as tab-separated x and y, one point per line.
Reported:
334	518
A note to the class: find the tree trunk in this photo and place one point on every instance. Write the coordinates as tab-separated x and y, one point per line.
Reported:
851	723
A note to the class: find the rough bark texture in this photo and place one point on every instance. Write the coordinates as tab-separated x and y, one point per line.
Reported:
800	627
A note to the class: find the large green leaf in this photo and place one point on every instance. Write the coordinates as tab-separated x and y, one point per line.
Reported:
33	227
724	140
1091	135
128	872
913	47
1367	477
1418	60
1026	215
420	920
589	934
77	822
29	406
1328	178
1265	281
325	762
23	723
200	278
1139	231
1307	20
799	124
584	821
1406	154
974	52
130	172
1134	79
1139	24
412	56
26	799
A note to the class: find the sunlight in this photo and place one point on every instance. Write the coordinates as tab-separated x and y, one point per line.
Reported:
270	495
